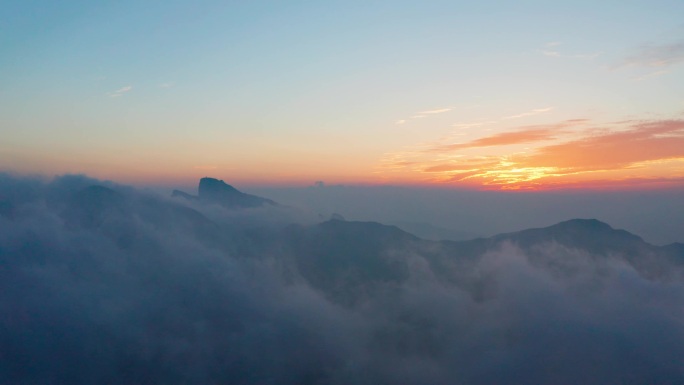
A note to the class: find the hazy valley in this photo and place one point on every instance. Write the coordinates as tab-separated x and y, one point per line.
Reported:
106	283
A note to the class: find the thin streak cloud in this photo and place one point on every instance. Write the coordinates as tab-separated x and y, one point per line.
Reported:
583	153
503	139
655	55
120	91
436	111
643	142
551	50
536	111
473	124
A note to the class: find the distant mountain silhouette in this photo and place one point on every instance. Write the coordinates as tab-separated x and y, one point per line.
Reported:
216	191
93	206
348	259
116	213
590	236
435	233
181	194
86	264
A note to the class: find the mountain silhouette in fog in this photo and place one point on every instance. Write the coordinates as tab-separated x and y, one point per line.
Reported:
216	191
97	276
364	251
338	256
589	236
348	259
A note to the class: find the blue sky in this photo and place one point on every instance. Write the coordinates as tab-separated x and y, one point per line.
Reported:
290	92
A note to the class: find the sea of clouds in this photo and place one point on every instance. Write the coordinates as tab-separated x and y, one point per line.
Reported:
118	285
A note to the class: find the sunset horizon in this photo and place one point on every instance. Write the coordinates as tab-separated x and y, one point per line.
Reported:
342	192
471	96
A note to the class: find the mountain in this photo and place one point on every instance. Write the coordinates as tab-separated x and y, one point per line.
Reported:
435	233
349	260
599	240
216	191
184	195
92	206
95	277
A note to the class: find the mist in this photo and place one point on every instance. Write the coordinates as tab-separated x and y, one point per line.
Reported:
457	214
104	283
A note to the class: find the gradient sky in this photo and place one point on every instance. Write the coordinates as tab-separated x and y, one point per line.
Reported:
486	95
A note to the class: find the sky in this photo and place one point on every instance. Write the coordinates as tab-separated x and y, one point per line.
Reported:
487	95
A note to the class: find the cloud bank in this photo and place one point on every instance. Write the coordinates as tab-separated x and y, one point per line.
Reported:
101	283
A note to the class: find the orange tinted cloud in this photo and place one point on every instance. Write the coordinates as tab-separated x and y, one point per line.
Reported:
625	154
642	142
503	139
527	134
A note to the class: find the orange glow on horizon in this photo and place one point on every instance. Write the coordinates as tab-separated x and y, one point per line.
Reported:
633	155
571	154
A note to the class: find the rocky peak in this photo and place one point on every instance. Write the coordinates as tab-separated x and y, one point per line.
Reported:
210	189
213	190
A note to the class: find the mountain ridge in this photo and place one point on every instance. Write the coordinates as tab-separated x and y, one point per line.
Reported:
216	191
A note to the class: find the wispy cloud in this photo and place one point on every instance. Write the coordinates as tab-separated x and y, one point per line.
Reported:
641	142
473	124
436	111
503	139
480	123
571	153
424	114
650	75
550	53
536	111
120	91
166	85
551	49
655	55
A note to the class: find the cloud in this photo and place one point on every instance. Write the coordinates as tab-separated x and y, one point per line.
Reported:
641	142
655	55
536	111
582	154
120	91
650	75
436	111
98	279
550	49
551	53
424	114
473	124
503	139
647	150
481	123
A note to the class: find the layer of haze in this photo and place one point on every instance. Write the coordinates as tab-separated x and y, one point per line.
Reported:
103	283
658	216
